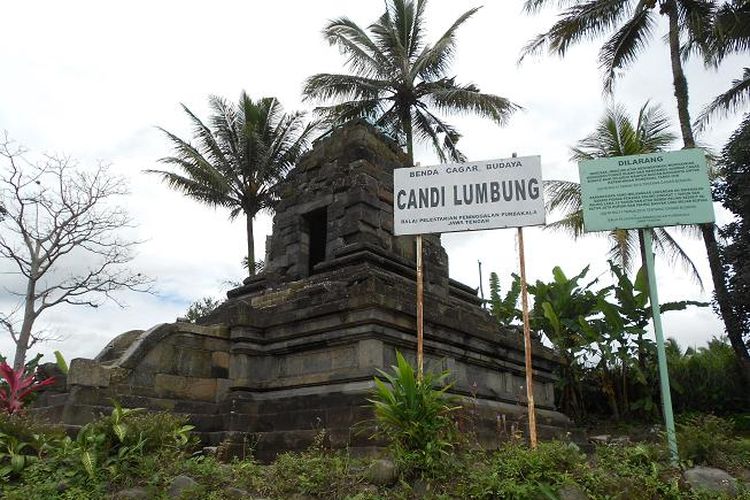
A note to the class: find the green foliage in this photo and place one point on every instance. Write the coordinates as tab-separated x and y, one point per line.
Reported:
516	471
707	379
399	80
240	158
635	472
23	440
317	472
608	363
200	308
504	308
414	417
108	450
733	191
61	363
710	440
562	311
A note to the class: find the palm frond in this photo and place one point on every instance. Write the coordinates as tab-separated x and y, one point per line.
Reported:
534	6
386	36
326	86
562	195
364	57
430	127
653	132
194	189
625	247
571	223
696	17
729	102
435	60
340	113
623	47
731	32
582	21
447	96
208	146
406	19
617	135
675	254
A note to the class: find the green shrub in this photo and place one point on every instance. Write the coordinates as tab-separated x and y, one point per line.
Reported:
113	449
24	440
634	472
710	440
700	438
317	472
708	379
414	417
517	471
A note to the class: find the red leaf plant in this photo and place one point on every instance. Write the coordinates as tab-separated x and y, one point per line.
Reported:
17	387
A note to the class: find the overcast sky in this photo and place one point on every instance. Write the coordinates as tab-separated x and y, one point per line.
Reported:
93	79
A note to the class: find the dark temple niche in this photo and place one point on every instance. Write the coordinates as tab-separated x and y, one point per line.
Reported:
293	351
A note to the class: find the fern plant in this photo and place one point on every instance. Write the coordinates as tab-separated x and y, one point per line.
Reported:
414	416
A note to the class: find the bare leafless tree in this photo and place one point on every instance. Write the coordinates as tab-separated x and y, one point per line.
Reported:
60	229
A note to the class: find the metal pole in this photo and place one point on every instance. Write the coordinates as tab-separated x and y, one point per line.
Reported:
527	343
666	396
420	310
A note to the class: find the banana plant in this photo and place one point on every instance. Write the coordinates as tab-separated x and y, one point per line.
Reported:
564	311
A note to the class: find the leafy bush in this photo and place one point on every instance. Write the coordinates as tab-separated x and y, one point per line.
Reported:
200	308
414	417
109	450
635	472
516	471
318	472
707	379
24	440
710	440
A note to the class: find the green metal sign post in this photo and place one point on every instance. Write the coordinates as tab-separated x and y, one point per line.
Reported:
666	395
647	191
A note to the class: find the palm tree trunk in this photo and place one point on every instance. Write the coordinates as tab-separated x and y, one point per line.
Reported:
678	76
250	246
731	324
406	120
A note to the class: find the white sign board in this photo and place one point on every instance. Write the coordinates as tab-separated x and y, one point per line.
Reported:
468	196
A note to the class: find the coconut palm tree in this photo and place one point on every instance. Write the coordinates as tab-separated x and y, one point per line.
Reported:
399	81
617	135
630	25
239	158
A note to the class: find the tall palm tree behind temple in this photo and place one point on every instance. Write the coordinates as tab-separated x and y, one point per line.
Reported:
240	157
399	80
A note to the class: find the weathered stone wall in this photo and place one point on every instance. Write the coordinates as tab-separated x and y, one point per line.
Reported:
179	367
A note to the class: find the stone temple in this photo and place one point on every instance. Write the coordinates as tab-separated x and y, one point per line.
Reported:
294	350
